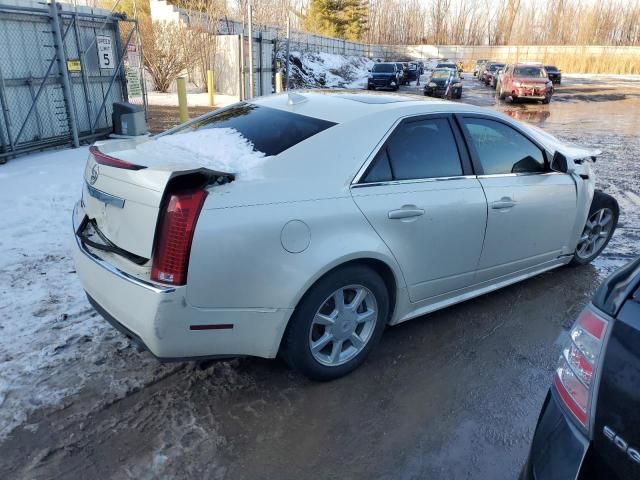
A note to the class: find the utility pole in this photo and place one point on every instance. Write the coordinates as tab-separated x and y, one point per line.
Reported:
286	63
250	19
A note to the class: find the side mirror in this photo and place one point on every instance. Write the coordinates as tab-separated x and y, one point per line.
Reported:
559	163
369	70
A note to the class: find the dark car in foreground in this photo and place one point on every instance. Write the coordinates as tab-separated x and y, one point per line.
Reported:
441	79
589	427
554	74
383	75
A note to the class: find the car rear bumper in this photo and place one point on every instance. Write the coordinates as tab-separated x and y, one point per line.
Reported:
159	319
382	83
558	448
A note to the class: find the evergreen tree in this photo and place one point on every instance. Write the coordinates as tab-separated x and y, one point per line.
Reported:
345	19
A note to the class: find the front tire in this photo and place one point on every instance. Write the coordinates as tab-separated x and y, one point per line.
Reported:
337	323
601	223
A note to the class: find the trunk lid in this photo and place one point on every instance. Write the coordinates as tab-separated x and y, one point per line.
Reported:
123	203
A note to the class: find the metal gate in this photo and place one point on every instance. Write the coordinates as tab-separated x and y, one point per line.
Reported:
61	69
232	64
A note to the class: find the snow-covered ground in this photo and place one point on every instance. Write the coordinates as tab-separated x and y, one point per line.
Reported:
51	341
327	70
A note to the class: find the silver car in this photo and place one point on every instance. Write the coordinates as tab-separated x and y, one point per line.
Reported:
304	224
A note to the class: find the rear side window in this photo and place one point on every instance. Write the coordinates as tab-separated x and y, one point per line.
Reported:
501	149
415	150
271	131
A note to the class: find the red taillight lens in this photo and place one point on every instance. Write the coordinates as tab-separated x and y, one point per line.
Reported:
104	159
578	363
174	237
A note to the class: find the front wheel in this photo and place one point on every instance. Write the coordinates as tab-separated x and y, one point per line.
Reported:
337	323
601	223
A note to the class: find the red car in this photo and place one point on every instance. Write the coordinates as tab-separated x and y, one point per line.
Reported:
525	81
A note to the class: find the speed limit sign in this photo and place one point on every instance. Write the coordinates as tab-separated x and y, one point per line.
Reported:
105	51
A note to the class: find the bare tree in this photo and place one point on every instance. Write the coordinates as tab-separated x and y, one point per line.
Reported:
166	52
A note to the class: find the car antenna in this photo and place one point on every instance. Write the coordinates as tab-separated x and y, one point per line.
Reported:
295	98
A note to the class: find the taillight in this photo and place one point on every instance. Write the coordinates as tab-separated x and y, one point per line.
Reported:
174	237
578	363
104	159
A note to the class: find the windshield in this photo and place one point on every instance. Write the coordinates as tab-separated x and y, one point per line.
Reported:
496	66
441	73
271	131
551	68
446	65
529	72
384	67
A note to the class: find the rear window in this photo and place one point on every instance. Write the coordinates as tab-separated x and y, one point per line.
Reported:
529	72
551	68
384	67
446	65
271	131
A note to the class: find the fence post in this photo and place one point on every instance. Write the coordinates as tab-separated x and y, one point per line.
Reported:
64	74
286	60
182	99
210	87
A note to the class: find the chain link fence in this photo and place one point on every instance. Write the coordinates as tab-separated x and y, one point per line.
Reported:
61	70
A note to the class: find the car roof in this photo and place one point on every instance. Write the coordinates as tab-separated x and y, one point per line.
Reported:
345	105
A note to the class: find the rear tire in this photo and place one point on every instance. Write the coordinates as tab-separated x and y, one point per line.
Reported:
325	339
601	223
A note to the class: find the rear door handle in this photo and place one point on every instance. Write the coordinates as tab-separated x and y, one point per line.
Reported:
503	203
407	211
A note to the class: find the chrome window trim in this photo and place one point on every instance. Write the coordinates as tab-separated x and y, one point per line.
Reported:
414	180
519	174
156	288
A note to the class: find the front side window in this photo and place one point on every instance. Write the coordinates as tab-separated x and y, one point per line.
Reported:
416	150
501	149
271	131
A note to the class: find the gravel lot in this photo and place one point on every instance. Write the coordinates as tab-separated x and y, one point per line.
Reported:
452	395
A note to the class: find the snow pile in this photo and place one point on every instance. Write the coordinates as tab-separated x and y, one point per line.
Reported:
221	149
326	70
52	343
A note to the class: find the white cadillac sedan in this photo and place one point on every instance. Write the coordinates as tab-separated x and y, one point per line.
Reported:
303	224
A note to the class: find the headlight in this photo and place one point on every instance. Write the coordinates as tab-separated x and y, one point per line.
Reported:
432	84
370	76
517	84
459	84
393	83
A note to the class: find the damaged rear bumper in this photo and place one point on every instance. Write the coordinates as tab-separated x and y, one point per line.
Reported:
158	318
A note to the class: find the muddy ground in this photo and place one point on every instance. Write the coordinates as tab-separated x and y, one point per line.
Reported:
453	395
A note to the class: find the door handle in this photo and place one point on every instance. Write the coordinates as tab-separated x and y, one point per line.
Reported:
503	203
407	211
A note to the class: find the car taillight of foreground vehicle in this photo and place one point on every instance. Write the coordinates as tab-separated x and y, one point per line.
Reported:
578	362
174	236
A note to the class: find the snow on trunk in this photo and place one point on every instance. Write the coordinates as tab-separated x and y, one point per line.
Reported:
220	149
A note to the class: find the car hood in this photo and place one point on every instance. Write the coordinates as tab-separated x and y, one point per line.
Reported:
569	150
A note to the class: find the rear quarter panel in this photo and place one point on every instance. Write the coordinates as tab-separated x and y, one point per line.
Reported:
238	259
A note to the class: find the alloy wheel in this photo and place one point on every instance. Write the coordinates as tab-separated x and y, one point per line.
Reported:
595	234
343	325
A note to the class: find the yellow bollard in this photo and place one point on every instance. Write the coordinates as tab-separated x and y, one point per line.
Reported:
279	82
182	99
210	87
